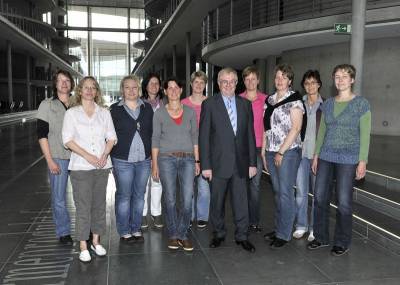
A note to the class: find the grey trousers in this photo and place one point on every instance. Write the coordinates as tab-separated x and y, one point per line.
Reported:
89	192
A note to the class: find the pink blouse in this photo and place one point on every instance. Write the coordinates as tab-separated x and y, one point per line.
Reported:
196	108
258	114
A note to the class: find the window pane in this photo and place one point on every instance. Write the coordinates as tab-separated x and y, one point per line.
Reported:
81	51
135	52
109	17
109	61
77	16
137	20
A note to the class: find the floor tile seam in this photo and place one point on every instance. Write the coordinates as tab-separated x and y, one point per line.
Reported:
13	179
168	251
214	269
309	261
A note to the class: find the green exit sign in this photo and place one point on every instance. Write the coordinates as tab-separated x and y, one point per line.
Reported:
342	28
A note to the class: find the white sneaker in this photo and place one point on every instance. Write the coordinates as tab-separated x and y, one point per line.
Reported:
311	236
84	256
299	234
99	250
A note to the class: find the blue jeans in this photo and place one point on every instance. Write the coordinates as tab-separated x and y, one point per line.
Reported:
131	180
254	193
344	174
201	205
283	180
172	168
305	183
58	185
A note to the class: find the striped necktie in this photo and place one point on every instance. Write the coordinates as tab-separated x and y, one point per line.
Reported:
231	115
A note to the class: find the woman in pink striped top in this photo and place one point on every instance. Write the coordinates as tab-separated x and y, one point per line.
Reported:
200	206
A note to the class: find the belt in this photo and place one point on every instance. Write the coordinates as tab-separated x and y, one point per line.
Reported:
178	154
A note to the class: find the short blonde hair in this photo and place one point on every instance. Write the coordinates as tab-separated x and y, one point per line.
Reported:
198	74
76	100
130	77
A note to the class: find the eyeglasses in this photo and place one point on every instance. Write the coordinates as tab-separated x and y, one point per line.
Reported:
226	82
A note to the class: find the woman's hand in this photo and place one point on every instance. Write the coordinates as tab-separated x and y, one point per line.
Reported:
53	167
278	159
92	159
264	160
103	160
196	168
361	170
314	165
154	172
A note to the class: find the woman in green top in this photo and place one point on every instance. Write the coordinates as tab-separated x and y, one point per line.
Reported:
341	149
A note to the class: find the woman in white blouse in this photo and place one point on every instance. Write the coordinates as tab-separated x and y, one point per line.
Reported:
88	131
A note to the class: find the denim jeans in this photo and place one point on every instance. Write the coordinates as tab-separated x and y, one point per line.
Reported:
130	179
254	193
283	180
58	185
201	205
171	169
344	174
305	183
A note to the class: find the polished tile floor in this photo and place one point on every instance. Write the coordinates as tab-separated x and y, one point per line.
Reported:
30	254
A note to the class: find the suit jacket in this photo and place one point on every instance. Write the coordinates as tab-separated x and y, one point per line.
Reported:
220	149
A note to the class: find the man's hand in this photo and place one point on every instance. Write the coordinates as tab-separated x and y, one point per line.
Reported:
207	174
252	171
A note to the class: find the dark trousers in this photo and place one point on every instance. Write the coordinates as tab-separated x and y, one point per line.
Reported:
345	174
238	194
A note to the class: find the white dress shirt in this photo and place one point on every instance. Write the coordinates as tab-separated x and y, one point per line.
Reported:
90	133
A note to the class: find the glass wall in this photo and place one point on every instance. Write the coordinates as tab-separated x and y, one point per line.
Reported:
82	51
109	17
107	39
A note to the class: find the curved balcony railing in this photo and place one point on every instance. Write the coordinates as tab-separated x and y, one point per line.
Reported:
237	16
40	31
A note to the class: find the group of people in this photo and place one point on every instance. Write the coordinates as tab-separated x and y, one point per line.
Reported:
198	149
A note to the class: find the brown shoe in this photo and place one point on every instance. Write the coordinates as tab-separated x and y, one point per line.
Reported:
186	244
173	244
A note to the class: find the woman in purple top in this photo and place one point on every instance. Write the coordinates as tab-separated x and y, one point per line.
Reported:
152	93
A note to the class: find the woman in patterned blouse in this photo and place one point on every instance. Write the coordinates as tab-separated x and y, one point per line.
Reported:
281	151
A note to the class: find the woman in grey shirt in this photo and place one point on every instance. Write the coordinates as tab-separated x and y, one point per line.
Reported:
50	119
175	155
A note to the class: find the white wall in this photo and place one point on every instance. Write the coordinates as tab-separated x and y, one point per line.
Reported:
381	79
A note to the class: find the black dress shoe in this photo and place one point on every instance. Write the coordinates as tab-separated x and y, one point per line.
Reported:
216	242
66	240
246	245
270	236
278	243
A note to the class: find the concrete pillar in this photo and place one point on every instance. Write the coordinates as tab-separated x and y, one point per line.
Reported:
28	101
174	60
187	59
210	75
357	41
165	67
269	74
261	66
9	73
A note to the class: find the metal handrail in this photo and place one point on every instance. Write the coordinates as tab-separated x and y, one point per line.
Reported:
237	16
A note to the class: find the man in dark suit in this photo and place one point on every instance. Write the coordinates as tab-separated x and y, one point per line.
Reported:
228	156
